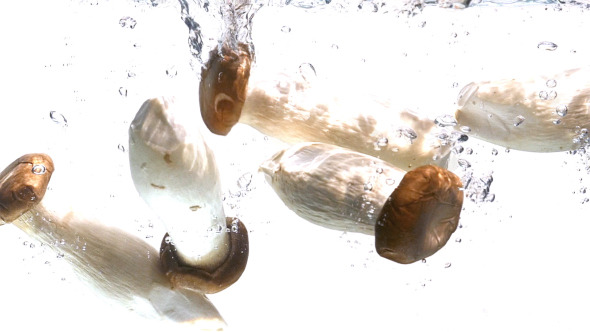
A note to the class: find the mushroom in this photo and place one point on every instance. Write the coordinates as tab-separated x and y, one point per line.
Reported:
412	215
313	112
175	173
543	114
114	263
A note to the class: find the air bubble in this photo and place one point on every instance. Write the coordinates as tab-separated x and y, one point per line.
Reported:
445	121
494	152
368	7
123	91
390	182
408	133
556	121
543	95
518	121
463	163
447	265
368	186
547	46
285	29
551	83
245	180
561	110
382	142
58	118
171	72
552	95
121	147
379	170
465	129
38	169
127	22
307	71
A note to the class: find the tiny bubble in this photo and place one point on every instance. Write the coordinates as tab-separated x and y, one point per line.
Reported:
128	22
547	46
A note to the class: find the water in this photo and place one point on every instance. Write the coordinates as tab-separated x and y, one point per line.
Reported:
521	235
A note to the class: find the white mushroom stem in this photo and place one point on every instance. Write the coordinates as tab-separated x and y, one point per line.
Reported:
298	107
412	215
332	187
333	113
114	263
175	173
548	113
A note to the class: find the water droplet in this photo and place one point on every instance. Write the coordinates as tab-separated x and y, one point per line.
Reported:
465	129
58	118
234	227
543	95
446	120
423	260
285	29
518	121
408	133
245	180
390	182
307	71
167	240
463	163
123	91
127	22
38	169
551	83
561	110
368	6
171	72
382	142
547	46
368	186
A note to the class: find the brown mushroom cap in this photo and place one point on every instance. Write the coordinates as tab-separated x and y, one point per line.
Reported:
223	88
420	215
205	280
23	184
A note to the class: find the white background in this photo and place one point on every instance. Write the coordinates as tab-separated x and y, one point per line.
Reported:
518	263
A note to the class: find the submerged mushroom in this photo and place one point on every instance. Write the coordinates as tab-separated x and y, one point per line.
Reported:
313	112
114	263
412	215
175	173
543	114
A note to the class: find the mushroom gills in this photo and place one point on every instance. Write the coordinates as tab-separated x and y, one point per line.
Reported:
345	190
547	113
175	173
327	112
114	263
